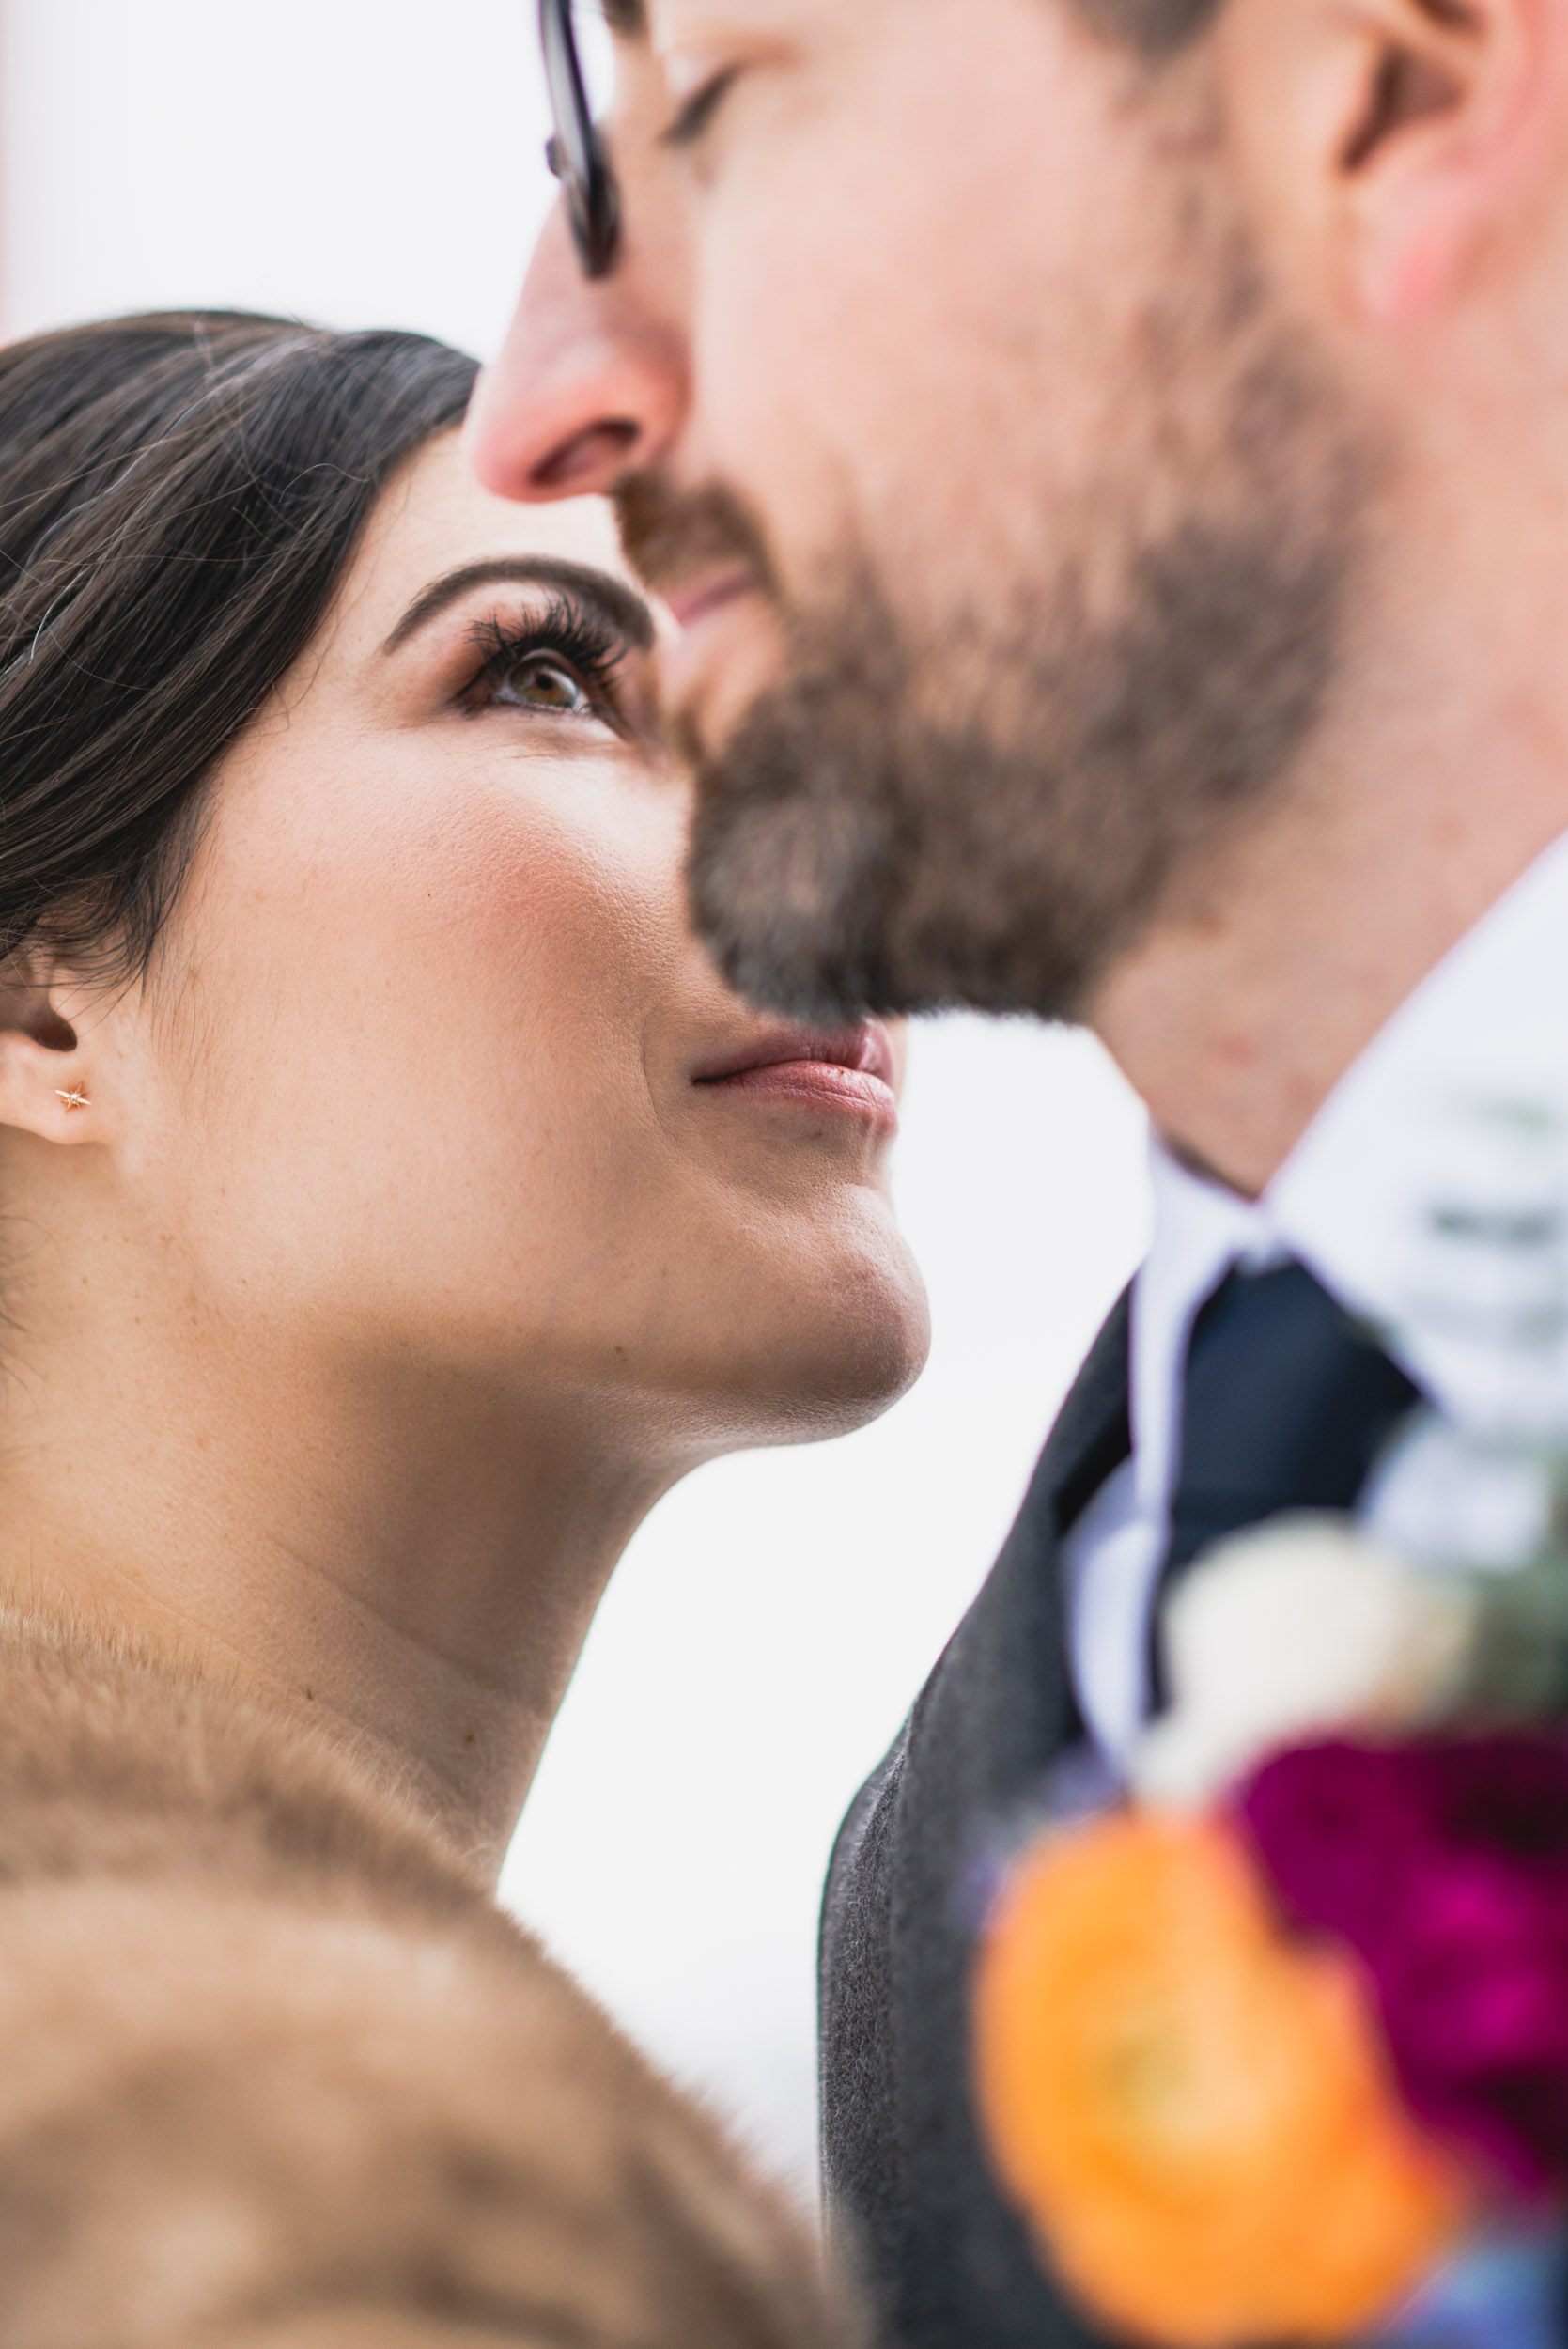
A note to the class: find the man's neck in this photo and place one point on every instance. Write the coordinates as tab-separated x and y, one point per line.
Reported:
1240	1013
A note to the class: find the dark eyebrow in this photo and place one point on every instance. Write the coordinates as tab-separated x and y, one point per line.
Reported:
627	19
621	605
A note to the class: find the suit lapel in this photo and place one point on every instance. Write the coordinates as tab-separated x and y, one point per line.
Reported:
949	2263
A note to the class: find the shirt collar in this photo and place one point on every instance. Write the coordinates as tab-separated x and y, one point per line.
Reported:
1429	1195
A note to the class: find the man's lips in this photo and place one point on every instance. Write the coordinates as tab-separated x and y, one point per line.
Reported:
694	601
847	1068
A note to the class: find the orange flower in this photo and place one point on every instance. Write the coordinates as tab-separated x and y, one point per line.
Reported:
1193	2113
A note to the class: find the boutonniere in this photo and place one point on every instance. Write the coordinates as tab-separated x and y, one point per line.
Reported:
1275	2048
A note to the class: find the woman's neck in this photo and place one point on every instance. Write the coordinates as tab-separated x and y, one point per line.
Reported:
410	1556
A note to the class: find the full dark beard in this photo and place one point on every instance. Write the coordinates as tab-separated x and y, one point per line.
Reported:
847	854
995	818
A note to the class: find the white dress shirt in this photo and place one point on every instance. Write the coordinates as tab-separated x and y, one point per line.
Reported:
1430	1197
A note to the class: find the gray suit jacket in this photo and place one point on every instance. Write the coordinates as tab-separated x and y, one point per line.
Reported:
947	2263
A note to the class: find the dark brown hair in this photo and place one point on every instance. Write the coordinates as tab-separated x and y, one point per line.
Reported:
179	497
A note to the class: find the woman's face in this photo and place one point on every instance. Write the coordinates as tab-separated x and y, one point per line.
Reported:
428	1067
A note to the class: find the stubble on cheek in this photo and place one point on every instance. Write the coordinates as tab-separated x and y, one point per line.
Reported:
980	779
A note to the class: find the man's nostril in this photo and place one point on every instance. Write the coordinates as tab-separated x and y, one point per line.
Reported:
590	455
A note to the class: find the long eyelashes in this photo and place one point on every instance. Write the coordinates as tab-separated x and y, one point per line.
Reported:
566	631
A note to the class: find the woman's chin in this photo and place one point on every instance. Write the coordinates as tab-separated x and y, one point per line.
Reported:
830	1358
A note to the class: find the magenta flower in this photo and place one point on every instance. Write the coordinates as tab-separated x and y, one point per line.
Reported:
1444	1866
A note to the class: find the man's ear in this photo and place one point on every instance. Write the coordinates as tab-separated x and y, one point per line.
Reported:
49	1071
1398	134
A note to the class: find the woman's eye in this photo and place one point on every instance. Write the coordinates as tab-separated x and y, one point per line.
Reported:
537	683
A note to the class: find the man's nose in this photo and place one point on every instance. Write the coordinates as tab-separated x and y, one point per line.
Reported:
589	384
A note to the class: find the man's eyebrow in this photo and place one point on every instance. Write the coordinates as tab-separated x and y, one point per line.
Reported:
620	604
627	19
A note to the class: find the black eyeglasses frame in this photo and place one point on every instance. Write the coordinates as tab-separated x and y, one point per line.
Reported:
576	153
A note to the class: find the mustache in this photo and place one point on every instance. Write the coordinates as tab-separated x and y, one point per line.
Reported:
670	534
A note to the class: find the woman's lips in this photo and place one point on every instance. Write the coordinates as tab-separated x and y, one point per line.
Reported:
848	1068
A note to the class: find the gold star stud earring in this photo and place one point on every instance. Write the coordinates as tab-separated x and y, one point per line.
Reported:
73	1100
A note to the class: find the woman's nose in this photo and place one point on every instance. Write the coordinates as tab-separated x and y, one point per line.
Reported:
589	384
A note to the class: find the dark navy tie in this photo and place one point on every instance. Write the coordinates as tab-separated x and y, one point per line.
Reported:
1286	1405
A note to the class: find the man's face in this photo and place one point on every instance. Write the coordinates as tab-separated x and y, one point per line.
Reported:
1005	511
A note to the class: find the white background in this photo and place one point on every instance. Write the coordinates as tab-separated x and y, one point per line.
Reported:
376	163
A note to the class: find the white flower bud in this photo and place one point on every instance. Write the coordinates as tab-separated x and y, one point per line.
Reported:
1300	1629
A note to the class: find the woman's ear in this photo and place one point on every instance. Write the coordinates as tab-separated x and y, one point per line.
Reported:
1398	134
48	1067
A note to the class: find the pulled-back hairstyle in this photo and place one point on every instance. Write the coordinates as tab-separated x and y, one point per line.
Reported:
179	495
